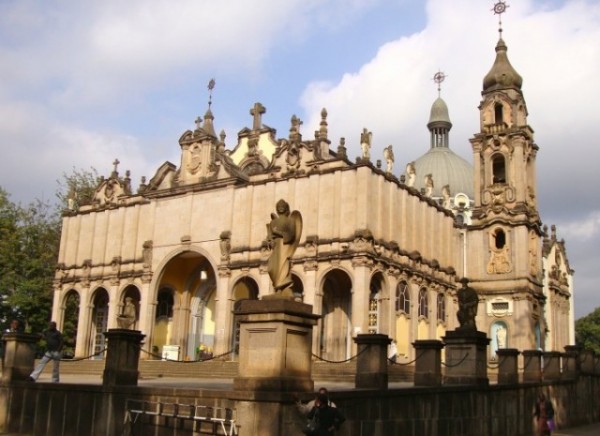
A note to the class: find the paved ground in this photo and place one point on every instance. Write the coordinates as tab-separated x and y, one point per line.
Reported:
588	430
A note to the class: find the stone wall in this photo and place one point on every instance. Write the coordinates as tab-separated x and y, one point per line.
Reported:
64	409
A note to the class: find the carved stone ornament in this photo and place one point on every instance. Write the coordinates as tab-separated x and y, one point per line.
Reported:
363	241
147	255
499	262
225	245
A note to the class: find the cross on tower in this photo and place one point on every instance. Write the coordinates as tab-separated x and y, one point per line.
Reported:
198	122
115	165
257	112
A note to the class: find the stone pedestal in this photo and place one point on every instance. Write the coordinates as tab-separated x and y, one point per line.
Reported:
466	358
428	365
571	366
275	346
19	355
371	363
532	366
122	357
508	368
551	365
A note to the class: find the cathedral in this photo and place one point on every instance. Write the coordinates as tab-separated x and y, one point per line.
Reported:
378	253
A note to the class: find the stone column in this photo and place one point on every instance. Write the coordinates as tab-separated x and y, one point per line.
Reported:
275	346
466	362
551	367
571	366
428	366
371	363
19	356
122	357
508	369
587	360
532	366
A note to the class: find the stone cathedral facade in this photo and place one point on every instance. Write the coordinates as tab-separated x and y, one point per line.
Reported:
378	253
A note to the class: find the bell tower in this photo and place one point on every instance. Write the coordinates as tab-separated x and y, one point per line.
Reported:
505	262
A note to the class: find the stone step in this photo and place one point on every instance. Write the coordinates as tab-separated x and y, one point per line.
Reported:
343	372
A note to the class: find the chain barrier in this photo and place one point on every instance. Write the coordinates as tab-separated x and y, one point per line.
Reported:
341	361
200	360
457	363
83	358
406	363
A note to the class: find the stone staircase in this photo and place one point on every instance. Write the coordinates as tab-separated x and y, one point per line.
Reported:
322	371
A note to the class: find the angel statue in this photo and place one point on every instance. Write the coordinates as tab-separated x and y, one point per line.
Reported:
388	154
411	174
284	232
365	144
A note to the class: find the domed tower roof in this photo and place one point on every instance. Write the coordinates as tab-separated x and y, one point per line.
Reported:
439	114
502	75
445	166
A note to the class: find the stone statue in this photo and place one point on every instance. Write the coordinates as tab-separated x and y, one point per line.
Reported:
467	306
446	196
365	144
127	318
501	336
388	154
283	232
411	174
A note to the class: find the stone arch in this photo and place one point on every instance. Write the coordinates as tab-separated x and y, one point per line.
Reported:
69	325
403	305
378	304
499	174
99	302
181	280
244	288
131	291
335	333
423	314
298	287
202	321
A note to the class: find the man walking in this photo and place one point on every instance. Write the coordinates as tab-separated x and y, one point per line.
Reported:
54	346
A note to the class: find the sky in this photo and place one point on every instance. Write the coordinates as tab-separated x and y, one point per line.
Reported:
85	82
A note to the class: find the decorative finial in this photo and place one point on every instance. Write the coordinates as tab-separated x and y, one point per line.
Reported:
211	86
116	163
438	78
500	8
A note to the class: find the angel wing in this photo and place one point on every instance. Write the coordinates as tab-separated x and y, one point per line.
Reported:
295	215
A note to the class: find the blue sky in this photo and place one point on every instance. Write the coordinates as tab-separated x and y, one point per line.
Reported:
84	82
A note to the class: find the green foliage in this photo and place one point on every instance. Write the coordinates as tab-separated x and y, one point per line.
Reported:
587	331
29	238
79	186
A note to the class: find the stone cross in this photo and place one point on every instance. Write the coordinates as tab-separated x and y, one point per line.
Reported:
257	112
116	164
198	122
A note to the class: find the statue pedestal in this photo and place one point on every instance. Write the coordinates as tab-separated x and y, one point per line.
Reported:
508	369
122	357
19	355
466	362
275	346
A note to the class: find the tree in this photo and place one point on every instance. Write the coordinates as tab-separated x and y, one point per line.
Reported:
78	187
587	331
29	238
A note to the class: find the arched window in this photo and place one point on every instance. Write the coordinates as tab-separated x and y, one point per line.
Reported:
498	169
498	114
423	306
165	302
402	298
373	315
499	238
441	307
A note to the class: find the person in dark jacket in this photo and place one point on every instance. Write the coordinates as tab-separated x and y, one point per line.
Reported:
329	418
544	416
54	346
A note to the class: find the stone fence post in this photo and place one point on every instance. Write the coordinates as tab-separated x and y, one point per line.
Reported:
571	366
371	363
508	369
428	366
551	366
587	360
122	357
532	366
19	356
